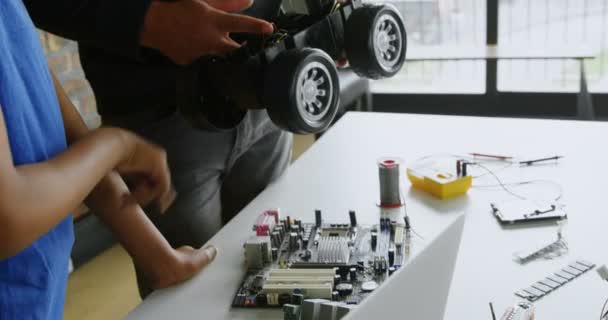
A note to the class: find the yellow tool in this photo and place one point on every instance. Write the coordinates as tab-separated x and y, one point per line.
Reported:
443	185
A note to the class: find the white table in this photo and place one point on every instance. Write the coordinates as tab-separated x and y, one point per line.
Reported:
339	173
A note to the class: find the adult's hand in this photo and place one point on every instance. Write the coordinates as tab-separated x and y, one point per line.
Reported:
185	30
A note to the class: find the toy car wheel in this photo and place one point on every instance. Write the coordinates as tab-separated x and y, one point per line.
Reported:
375	41
301	90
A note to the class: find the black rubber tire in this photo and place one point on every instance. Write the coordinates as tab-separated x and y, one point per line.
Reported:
281	90
360	45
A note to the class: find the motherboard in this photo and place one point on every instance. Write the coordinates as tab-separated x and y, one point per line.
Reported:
289	261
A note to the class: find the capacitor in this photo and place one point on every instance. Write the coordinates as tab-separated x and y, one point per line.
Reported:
335	296
288	224
276	239
337	279
369	286
261	299
391	256
275	254
318	220
344	289
293	241
353	218
343	274
281	231
353	274
374	240
391	270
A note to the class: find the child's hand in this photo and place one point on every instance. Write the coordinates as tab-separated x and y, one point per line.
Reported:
187	263
147	172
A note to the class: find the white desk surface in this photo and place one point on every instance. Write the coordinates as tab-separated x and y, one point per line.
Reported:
504	52
339	173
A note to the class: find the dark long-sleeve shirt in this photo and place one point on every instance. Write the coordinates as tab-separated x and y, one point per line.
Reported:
125	77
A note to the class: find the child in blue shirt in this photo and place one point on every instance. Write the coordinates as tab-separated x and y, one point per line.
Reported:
49	163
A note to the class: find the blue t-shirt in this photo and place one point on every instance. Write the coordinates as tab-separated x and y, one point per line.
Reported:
32	283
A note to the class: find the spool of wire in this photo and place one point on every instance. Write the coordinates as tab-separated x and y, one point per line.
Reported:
390	192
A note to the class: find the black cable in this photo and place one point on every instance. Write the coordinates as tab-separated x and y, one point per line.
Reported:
523	183
602	314
502	185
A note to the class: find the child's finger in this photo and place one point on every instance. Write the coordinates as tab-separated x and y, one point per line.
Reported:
165	201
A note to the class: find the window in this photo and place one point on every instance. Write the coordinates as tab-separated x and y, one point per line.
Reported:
439	25
568	24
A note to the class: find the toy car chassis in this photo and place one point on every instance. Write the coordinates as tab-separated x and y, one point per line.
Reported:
292	72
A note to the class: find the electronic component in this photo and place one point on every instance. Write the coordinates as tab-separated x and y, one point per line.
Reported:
291	312
297	298
336	264
343	310
374	239
344	289
257	252
311	308
524	210
559	278
333	250
293	241
369	286
318	218
328	310
266	222
552	250
353	218
390	190
352	272
520	311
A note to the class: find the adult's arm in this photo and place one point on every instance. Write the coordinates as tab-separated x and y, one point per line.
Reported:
183	30
114	25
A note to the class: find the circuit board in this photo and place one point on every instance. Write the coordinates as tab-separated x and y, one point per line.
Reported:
290	260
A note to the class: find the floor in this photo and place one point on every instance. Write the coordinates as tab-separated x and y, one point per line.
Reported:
104	288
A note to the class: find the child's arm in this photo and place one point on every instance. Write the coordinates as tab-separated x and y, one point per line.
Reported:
36	197
112	202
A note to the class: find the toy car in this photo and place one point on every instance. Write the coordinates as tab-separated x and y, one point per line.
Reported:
292	72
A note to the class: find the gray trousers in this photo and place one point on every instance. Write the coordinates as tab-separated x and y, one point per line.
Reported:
215	174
